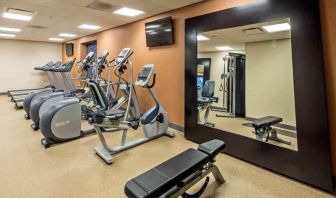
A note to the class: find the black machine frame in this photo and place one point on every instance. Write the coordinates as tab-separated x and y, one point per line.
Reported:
311	164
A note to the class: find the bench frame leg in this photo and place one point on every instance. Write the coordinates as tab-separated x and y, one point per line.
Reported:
274	136
206	117
271	134
193	179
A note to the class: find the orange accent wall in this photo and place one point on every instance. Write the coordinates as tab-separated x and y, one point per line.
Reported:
168	60
328	19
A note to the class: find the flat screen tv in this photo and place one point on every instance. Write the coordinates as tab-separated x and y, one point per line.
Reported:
69	49
160	32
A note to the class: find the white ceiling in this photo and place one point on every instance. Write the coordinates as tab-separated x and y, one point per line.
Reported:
64	16
236	38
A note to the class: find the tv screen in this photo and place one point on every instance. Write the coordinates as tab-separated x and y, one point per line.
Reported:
160	32
69	49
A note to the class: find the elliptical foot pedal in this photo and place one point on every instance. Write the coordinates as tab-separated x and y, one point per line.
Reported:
104	154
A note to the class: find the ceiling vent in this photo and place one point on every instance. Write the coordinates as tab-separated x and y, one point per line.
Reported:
253	31
36	27
103	5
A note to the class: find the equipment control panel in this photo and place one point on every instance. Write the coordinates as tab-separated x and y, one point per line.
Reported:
145	75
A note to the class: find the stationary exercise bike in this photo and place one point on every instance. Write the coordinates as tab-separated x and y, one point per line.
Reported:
154	121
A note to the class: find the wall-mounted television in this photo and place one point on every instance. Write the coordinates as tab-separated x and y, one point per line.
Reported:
160	32
69	49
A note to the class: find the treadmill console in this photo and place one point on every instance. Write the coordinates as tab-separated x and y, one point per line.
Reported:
101	59
123	56
88	58
145	75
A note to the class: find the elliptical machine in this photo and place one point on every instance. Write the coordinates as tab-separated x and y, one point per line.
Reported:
36	93
155	121
42	103
61	122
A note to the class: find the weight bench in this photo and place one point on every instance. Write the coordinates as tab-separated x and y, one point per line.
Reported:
175	176
263	129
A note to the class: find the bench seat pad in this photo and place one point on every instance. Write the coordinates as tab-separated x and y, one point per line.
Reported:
212	148
165	176
266	121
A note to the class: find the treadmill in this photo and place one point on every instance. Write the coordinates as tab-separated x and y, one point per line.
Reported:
18	98
20	92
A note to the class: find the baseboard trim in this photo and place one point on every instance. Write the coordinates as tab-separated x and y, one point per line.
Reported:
176	127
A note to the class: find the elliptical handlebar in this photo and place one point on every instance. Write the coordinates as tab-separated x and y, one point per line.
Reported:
153	82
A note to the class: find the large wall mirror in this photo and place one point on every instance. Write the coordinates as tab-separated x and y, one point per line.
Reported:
254	78
244	78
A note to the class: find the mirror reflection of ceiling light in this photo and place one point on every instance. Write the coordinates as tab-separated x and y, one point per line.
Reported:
7	35
67	35
7	29
224	48
152	33
202	38
277	27
128	12
89	27
152	26
55	39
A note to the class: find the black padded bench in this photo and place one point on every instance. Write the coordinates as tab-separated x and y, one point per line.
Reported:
263	129
175	176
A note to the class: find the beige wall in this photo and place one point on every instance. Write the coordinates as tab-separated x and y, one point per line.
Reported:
19	59
269	80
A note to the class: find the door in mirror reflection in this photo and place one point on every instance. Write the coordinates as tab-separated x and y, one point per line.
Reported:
245	82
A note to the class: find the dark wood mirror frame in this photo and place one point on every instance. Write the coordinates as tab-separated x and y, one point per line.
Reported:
312	163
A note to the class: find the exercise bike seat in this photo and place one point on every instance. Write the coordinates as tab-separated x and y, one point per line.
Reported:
266	122
174	171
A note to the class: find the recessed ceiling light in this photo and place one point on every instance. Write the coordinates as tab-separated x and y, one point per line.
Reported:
17	14
67	35
89	27
224	48
128	12
277	27
7	35
7	29
55	39
202	38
